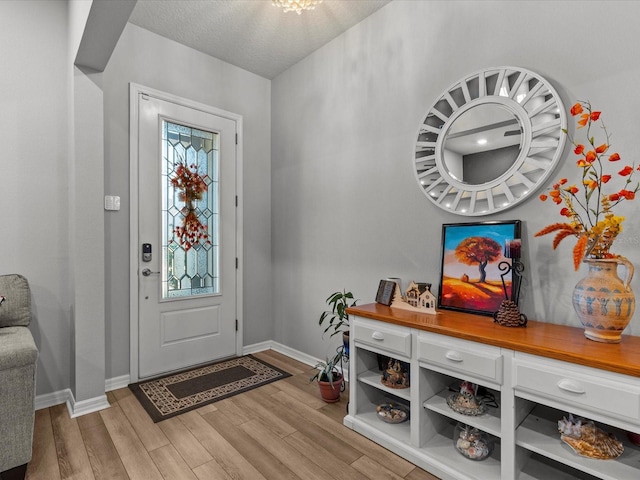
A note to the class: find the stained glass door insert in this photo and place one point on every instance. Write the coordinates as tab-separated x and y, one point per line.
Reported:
190	267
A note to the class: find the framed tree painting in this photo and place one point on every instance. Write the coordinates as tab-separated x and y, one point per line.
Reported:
471	280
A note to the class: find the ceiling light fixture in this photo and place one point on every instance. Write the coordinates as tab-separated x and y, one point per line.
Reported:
296	5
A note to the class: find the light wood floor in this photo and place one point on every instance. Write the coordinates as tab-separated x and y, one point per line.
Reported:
281	431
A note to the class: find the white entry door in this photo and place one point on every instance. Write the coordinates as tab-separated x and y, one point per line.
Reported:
187	259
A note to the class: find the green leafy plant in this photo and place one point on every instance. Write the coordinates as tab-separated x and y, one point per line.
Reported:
328	371
337	318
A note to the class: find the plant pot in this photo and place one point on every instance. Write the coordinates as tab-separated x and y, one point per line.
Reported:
603	302
329	393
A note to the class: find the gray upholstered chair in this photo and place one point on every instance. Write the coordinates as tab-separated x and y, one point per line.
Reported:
18	355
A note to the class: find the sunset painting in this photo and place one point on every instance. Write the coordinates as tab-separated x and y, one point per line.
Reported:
470	274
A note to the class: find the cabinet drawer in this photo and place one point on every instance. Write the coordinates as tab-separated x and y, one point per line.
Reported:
571	386
461	357
393	340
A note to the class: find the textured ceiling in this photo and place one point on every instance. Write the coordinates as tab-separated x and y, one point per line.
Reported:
251	34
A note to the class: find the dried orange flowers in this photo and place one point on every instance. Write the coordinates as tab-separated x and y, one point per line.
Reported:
586	205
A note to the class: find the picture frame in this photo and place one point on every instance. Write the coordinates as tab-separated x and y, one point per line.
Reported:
471	280
386	291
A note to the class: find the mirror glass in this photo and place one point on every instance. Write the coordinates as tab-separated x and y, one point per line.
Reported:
489	141
482	144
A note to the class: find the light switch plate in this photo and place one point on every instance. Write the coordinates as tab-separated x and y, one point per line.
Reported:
111	202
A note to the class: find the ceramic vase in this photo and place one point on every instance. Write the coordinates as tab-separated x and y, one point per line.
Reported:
604	302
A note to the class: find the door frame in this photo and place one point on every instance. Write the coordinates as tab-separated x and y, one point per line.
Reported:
134	241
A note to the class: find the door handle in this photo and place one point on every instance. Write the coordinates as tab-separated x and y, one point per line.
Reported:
146	272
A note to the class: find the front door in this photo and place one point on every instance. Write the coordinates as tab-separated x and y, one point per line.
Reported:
186	221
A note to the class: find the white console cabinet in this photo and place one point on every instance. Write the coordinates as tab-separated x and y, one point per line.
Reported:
535	382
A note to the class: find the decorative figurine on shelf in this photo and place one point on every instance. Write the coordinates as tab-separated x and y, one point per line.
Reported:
465	401
396	375
508	314
417	298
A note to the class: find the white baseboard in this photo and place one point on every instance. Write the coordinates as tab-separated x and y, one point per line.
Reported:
280	348
256	347
66	396
117	382
75	409
84	407
95	404
51	399
289	352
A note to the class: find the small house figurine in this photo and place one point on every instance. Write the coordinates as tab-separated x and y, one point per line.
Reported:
417	298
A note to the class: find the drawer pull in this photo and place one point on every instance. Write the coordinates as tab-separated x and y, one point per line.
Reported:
377	336
571	386
454	356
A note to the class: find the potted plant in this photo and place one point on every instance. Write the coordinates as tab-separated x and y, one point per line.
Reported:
337	319
330	379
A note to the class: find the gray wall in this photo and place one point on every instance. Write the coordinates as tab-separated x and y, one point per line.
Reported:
34	183
148	59
330	196
38	175
347	210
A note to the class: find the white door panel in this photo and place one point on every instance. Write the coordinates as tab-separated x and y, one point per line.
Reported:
187	302
203	322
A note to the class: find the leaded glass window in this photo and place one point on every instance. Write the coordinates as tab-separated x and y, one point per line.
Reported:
189	270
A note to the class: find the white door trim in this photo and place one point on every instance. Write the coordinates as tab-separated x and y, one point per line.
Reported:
134	243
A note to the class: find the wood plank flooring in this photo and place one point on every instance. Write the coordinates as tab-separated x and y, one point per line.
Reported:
280	431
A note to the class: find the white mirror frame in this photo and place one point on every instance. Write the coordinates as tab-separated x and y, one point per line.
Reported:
541	115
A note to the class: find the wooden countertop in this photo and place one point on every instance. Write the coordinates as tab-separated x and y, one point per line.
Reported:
538	338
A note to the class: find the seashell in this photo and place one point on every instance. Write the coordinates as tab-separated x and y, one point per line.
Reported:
471	442
392	413
587	440
464	444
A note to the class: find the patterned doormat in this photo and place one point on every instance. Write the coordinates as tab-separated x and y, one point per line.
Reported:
181	392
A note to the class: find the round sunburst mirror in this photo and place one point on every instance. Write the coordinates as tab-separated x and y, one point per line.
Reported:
489	141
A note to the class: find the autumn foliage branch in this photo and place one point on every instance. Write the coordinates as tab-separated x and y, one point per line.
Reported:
588	208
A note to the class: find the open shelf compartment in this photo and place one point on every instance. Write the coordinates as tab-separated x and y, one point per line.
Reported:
539	433
440	446
372	377
369	397
488	422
